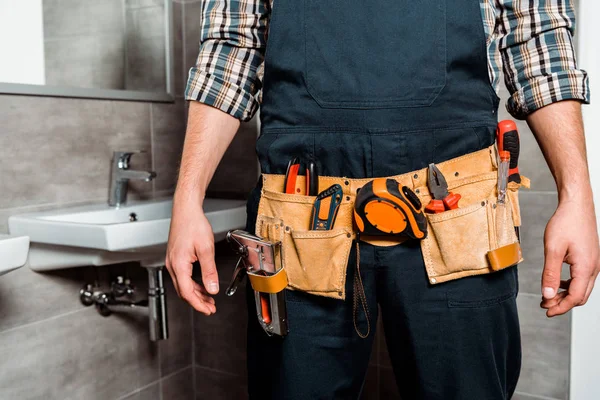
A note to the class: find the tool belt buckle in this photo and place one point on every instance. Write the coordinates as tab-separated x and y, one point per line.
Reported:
260	257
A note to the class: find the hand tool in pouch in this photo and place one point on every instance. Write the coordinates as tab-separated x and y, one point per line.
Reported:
261	258
441	199
291	175
326	207
382	207
507	137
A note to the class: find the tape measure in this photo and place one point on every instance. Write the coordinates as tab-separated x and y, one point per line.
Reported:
383	208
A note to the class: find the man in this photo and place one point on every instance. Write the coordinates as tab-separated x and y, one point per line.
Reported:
376	89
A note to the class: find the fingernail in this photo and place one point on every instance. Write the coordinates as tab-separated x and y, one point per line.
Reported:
213	287
548	293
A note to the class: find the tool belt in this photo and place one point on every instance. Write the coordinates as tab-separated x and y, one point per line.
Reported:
460	242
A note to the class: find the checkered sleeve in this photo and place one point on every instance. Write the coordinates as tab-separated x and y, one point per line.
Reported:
232	45
536	45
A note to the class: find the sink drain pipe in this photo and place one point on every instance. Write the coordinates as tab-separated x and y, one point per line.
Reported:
157	304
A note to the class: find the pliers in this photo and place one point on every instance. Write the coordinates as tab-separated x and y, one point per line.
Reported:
441	199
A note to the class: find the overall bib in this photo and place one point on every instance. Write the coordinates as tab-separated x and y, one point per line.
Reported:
374	89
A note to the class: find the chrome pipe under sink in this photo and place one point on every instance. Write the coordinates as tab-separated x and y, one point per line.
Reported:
157	304
121	294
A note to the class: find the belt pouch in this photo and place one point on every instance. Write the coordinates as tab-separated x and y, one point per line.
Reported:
477	238
315	261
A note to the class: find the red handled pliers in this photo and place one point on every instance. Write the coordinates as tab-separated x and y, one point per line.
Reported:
441	199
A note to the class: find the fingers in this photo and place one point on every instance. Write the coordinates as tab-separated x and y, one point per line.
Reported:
210	277
189	290
575	296
549	303
554	256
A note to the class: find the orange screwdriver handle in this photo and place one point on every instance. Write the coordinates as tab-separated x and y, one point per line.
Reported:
451	201
435	207
507	137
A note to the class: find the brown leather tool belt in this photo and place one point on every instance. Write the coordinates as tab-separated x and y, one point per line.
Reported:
471	240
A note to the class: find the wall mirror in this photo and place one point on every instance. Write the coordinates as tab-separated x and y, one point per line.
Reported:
108	49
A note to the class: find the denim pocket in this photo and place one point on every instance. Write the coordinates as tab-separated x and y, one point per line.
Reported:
373	59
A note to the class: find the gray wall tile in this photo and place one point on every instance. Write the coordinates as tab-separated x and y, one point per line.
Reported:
545	342
237	173
81	18
77	356
192	22
143	3
176	352
178	64
60	149
145	38
179	386
524	396
536	210
168	127
89	62
27	296
151	392
218	386
220	340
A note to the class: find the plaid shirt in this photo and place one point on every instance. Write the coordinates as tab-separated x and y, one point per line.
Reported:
530	40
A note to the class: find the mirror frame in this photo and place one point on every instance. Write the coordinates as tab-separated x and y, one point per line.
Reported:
109	94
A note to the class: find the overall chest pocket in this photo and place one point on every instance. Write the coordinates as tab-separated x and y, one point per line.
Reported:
375	54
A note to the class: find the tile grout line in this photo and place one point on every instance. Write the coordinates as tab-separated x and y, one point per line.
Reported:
152	164
218	371
158	381
29	324
183	44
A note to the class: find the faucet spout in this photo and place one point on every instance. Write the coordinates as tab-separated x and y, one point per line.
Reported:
120	175
136	175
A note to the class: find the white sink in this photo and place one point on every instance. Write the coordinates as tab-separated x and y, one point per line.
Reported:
13	252
100	235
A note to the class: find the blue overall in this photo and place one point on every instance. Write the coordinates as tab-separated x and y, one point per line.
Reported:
372	89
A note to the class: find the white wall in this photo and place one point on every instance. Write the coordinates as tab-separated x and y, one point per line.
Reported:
22	42
585	337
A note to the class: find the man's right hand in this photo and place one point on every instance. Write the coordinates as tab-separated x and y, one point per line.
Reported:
191	239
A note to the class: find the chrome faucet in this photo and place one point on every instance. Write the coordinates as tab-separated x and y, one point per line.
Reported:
120	174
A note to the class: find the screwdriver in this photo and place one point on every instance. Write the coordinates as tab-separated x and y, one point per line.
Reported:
507	137
503	169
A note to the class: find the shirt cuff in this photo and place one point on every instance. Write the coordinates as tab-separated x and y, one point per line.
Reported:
545	90
214	91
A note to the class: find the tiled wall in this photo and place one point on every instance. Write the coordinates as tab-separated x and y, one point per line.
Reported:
56	152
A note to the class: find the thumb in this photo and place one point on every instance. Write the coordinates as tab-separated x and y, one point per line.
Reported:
554	257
